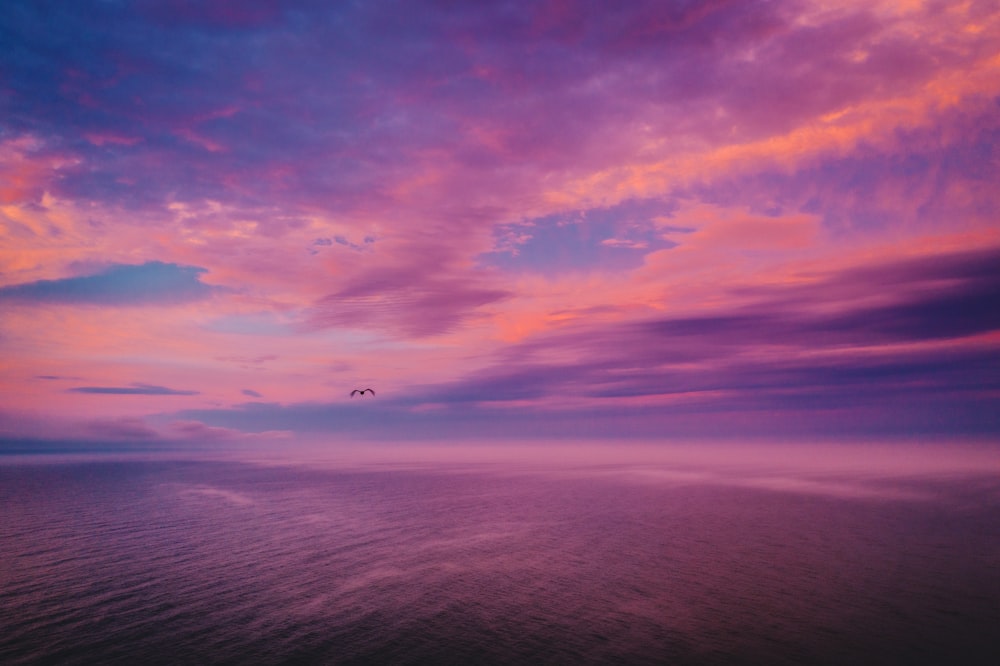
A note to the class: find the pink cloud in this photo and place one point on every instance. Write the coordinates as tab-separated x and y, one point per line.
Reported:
130	429
27	168
405	304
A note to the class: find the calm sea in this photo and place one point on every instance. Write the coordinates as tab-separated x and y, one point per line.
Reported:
667	561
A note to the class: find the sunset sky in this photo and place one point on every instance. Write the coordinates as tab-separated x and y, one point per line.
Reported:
513	220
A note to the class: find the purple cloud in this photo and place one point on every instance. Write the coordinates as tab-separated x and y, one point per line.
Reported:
718	363
248	361
911	178
432	308
478	87
817	359
420	299
120	429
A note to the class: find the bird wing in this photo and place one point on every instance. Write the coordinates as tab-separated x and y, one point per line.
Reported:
355	391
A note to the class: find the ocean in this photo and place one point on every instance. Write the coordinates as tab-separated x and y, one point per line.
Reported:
737	557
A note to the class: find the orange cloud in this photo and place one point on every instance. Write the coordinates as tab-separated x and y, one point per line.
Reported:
26	169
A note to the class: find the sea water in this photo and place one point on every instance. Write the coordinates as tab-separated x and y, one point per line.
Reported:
807	556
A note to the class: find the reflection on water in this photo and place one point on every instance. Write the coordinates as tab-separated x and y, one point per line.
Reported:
686	557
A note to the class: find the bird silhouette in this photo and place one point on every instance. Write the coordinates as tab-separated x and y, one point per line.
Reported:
362	391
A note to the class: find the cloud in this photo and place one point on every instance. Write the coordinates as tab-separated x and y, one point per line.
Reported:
418	301
251	393
364	246
462	90
132	389
938	296
791	357
151	283
198	432
430	309
820	347
120	429
246	14
614	238
925	175
247	361
27	168
194	430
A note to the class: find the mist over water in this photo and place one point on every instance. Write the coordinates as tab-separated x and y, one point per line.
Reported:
558	554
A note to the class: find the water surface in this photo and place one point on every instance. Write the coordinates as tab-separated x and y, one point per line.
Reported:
616	559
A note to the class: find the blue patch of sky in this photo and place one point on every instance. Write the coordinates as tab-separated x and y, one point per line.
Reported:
152	283
610	239
133	389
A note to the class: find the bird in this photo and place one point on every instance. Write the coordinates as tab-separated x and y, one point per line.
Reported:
362	391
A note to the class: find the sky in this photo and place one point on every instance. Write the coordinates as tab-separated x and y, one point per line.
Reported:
526	220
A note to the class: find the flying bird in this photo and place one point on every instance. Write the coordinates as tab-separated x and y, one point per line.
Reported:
362	391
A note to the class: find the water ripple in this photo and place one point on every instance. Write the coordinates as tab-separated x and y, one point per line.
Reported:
228	563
